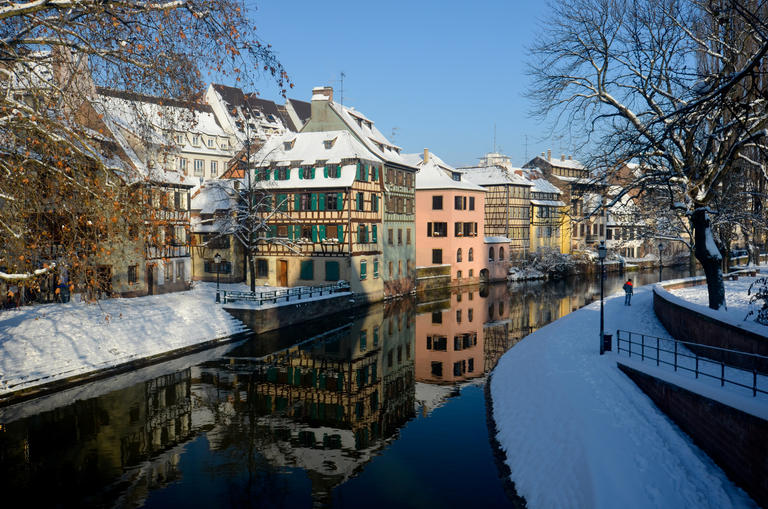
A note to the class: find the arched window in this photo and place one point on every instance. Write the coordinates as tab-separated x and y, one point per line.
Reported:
458	255
490	254
471	255
501	253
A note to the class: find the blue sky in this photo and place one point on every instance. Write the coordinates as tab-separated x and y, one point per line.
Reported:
440	73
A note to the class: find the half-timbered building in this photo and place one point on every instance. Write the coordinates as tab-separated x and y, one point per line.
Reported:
507	205
397	180
325	214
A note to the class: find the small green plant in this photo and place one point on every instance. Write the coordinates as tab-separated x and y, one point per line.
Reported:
758	300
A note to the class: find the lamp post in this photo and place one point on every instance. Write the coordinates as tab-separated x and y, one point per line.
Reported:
217	259
601	252
661	246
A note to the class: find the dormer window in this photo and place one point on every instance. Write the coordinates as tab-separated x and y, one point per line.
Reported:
456	176
328	143
195	140
288	145
210	142
179	139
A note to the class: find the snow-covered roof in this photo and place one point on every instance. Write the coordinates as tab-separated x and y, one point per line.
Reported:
547	203
213	195
312	149
496	240
494	175
542	185
367	132
434	174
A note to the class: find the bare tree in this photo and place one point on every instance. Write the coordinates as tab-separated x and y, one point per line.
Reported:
633	73
62	178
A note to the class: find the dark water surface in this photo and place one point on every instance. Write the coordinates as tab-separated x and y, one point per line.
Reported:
382	409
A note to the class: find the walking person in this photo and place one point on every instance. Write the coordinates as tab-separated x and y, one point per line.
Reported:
628	293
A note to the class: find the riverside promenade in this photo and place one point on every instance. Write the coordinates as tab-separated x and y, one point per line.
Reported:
577	432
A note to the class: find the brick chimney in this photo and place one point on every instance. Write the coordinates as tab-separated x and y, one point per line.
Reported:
562	157
549	155
327	92
426	155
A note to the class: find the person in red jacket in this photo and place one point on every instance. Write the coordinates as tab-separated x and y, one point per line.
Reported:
628	293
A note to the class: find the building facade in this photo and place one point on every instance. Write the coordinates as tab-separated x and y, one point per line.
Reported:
396	178
449	230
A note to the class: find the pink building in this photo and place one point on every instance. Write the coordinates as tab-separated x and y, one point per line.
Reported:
449	225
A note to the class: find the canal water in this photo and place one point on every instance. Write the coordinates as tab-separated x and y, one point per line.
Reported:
385	408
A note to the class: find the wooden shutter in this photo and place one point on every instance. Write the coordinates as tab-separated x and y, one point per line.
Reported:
341	233
297	201
314	233
322	232
321	201
339	201
313	201
374	237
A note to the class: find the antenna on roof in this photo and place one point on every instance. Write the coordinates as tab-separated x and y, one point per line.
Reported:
526	147
494	137
341	99
394	133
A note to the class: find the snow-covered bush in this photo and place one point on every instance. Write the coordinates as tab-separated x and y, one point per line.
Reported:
758	300
553	263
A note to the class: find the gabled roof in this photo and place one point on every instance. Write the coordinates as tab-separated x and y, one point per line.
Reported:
494	175
312	149
557	162
436	174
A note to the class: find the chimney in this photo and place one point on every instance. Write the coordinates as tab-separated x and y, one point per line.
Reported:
426	155
322	94
570	158
543	154
549	155
562	157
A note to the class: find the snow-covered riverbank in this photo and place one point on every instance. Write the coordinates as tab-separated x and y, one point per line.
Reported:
569	416
46	343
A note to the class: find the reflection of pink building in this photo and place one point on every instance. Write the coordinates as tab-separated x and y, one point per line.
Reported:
449	223
449	341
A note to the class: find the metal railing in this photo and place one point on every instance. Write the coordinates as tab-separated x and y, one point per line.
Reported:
274	296
685	356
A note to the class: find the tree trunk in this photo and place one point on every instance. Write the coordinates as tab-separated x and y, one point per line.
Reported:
252	273
691	262
709	257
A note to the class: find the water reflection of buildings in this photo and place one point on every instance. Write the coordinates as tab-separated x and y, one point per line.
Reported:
127	438
328	404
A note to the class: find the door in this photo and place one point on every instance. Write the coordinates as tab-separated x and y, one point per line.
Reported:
282	273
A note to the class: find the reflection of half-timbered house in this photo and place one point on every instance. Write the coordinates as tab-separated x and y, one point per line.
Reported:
325	216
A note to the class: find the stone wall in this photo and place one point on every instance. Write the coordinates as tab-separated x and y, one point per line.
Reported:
263	320
687	325
735	440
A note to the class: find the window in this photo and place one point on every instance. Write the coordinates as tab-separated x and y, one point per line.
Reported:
390	269
214	168
210	142
224	267
437	229
133	274
332	271
363	269
363	340
399	236
438	343
179	236
306	173
470	313
332	171
195	140
458	255
180	139
471	203
262	267
458	274
282	174
437	256
168	272
501	253
182	165
375	267
437	317
374	203
408	236
491	256
471	255
362	234
359	201
471	272
390	237
307	271
437	203
458	316
437	369
199	167
304	201
180	269
460	202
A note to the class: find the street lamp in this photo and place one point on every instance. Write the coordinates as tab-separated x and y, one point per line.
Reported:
217	259
601	252
661	246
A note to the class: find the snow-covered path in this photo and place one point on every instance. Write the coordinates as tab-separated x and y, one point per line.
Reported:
578	433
